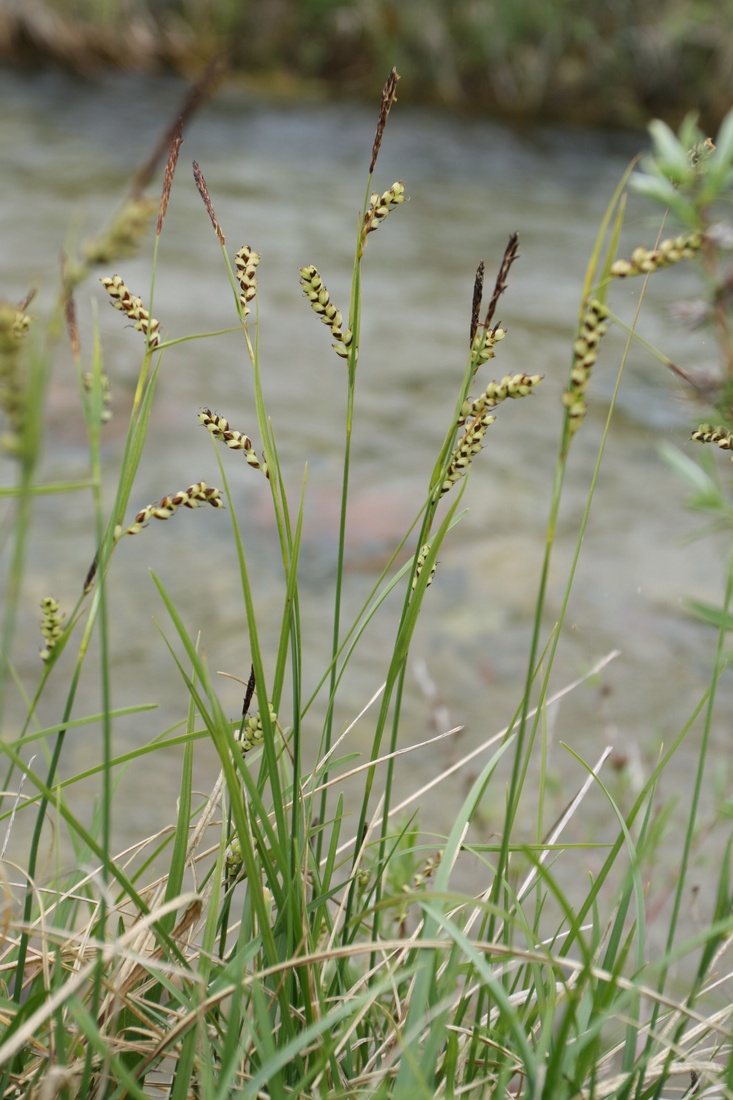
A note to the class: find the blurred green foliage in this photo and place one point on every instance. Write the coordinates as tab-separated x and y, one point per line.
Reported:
609	61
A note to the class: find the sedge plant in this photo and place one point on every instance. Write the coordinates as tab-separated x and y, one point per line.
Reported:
297	946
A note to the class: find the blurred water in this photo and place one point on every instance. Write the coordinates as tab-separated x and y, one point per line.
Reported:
289	180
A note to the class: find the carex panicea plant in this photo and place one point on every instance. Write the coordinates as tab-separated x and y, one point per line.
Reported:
297	946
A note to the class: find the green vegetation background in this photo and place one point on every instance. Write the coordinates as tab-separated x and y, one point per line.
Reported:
608	62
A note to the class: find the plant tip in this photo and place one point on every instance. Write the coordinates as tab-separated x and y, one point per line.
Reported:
389	97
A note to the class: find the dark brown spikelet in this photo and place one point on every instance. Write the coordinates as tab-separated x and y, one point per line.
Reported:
197	94
249	693
71	326
510	254
25	302
478	291
170	169
388	98
91	574
204	193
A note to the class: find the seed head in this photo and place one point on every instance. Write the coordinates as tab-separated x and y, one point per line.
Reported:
478	290
320	300
246	262
252	732
511	386
380	206
420	565
233	858
204	193
14	325
706	433
219	427
389	97
511	253
52	625
484	343
132	307
585	353
468	446
645	261
121	238
170	168
197	494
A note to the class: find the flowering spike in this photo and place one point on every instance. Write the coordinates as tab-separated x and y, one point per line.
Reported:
170	168
132	307
706	433
380	206
511	386
478	290
389	97
204	193
420	565
14	324
585	353
320	300
252	731
468	446
52	625
645	261
483	344
197	494
511	252
121	238
219	427
246	262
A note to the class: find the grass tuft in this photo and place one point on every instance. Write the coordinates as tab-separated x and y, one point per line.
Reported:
299	930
